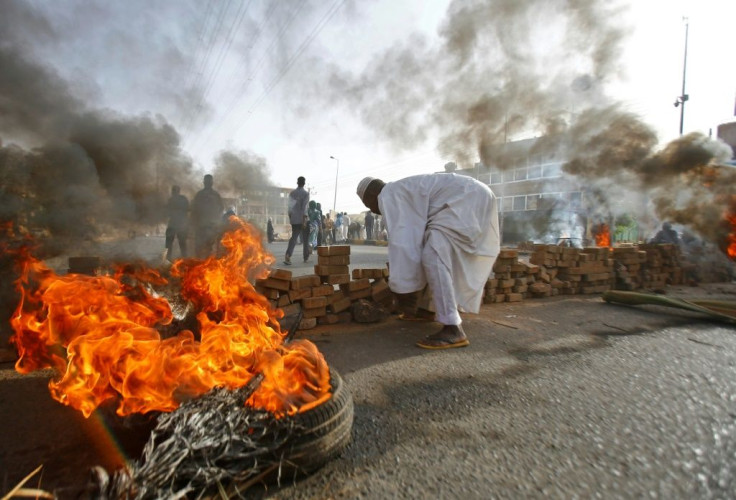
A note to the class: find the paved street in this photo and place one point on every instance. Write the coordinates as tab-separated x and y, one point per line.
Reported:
565	397
360	256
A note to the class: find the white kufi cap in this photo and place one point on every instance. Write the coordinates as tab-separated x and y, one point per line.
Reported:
363	185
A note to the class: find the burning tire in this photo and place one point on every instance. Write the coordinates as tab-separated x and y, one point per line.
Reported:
214	442
326	432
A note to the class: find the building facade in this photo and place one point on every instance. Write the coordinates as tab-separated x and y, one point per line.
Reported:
536	201
259	203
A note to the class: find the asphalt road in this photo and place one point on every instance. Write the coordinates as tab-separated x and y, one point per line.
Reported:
565	397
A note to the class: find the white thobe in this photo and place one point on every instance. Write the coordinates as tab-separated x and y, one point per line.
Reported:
443	230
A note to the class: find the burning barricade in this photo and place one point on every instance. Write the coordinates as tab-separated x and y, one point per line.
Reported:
238	402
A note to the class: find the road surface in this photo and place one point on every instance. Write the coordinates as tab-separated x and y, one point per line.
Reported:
565	397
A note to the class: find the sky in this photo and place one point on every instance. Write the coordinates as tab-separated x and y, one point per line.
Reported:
276	89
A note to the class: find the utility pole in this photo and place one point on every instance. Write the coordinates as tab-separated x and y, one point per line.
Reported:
683	98
337	171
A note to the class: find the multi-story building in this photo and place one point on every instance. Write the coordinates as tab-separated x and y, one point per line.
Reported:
536	201
258	203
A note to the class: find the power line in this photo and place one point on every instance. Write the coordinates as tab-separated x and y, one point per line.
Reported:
200	38
239	16
205	62
247	81
317	29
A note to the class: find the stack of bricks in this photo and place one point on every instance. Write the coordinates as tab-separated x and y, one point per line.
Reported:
662	266
648	266
551	259
375	281
628	263
592	272
276	288
511	279
316	294
573	271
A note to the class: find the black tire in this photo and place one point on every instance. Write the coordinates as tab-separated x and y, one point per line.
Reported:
326	432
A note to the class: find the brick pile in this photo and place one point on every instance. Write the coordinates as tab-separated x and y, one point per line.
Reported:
574	271
511	279
663	265
628	265
554	270
648	266
588	270
326	296
329	295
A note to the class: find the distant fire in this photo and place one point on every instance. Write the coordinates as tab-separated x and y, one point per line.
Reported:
730	225
102	335
602	236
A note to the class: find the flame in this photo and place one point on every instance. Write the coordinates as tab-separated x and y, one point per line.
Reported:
101	334
731	238
603	236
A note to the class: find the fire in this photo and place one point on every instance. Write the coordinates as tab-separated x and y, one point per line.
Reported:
731	238
101	334
603	236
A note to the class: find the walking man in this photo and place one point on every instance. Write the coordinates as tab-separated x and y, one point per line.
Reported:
298	202
345	226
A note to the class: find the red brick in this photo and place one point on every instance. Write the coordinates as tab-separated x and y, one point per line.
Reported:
306	281
333	260
334	250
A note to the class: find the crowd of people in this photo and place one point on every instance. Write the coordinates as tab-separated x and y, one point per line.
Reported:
313	228
310	227
444	238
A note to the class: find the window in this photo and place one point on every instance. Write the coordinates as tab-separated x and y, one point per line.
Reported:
531	201
520	174
576	199
507	203
552	170
519	203
508	176
496	177
534	172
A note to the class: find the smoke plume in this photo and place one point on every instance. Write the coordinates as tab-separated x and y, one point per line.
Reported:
506	69
241	170
83	169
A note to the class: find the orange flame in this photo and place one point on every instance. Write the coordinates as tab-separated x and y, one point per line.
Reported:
603	236
731	238
101	335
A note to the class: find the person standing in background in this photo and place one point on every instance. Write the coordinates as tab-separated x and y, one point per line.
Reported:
269	230
177	208
207	209
345	226
329	230
298	202
369	225
338	228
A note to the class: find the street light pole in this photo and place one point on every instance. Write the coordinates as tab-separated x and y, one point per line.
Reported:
683	98
337	171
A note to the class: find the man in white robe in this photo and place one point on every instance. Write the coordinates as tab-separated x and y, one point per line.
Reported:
443	231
